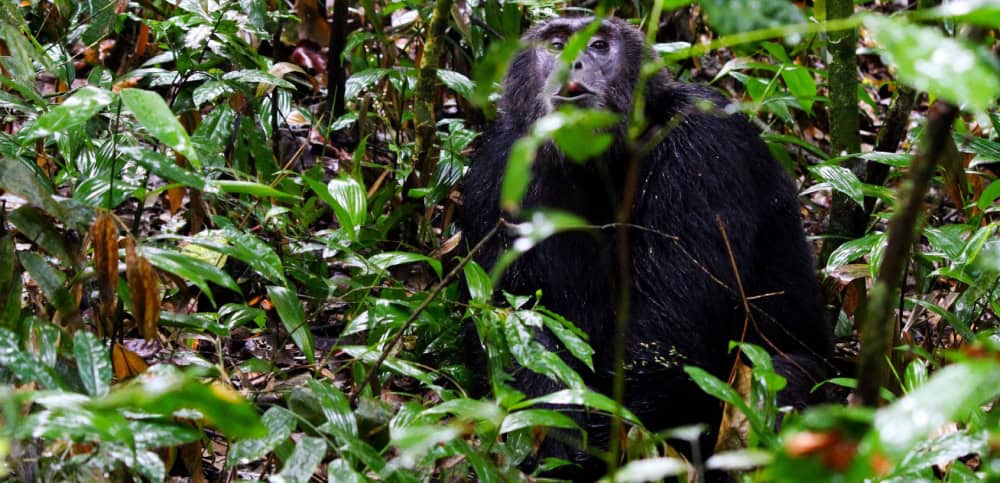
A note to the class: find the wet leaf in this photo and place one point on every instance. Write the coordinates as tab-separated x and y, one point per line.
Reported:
155	115
92	363
289	308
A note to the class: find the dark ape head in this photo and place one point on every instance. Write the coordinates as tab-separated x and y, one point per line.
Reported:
603	76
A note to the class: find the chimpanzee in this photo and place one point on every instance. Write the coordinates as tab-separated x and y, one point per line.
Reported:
685	303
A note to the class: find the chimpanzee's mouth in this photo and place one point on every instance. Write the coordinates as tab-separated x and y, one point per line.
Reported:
577	99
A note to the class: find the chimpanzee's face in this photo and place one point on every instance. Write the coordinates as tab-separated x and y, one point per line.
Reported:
596	79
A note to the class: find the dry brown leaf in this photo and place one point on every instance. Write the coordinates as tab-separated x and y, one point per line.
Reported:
191	457
734	430
105	237
126	363
145	290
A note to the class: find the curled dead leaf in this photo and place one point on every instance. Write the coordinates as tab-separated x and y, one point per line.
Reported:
145	290
126	363
105	237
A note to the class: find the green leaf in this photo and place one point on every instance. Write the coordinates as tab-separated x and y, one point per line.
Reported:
528	418
74	111
650	469
480	286
517	175
289	308
362	80
251	188
36	226
854	249
928	61
16	177
571	337
457	82
279	422
519	333
841	179
244	247
718	389
23	366
164	390
801	84
739	460
51	281
734	16
384	260
155	115
949	395
93	363
340	470
191	269
989	195
164	167
350	204
308	454
980	12
579	397
340	417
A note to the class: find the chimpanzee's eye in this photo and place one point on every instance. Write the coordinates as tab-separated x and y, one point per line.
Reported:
557	44
599	44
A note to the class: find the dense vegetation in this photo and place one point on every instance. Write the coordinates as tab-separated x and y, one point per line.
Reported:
228	247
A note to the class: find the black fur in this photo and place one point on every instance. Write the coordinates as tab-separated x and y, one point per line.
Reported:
710	165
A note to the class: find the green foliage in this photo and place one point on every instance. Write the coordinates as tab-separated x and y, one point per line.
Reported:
289	250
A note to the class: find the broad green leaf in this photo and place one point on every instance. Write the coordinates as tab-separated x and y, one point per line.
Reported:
718	389
23	366
989	195
842	180
340	470
734	16
948	396
40	229
309	452
76	110
155	115
362	80
579	397
254	76
480	286
519	333
414	441
801	84
739	460
650	469
164	390
93	363
948	448
517	175
340	417
279	423
854	249
16	177
51	281
384	260
570	336
251	188
980	12
191	269
528	418
164	167
927	60
289	308
457	82
209	91
350	204
244	247
159	434
469	409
